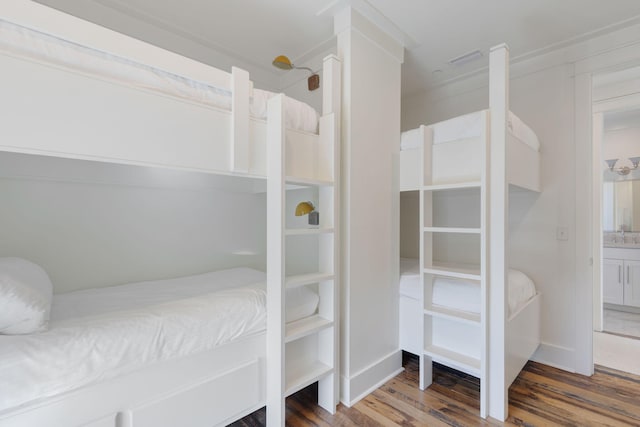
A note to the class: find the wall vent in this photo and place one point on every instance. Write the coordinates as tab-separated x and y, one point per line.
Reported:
466	58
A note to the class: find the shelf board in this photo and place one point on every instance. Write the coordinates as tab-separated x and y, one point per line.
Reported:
463	230
308	231
455	272
307	279
299	377
454	186
304	327
448	313
453	359
307	182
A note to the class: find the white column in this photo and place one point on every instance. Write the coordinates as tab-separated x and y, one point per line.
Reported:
370	204
275	263
498	226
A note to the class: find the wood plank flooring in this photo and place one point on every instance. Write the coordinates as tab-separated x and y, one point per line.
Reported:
540	396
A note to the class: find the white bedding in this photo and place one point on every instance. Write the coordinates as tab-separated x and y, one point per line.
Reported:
460	294
99	334
465	127
23	42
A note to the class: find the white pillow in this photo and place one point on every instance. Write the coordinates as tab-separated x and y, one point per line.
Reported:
25	297
301	302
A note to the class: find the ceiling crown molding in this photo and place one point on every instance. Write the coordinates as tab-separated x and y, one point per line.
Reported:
372	14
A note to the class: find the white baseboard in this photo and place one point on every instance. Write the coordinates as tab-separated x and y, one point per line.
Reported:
370	378
556	356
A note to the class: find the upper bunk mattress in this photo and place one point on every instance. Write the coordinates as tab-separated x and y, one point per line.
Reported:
98	334
466	127
461	294
26	43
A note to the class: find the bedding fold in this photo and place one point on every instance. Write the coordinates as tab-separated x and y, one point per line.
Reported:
26	43
98	334
461	294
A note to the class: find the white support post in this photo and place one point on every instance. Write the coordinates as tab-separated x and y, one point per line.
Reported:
275	263
425	326
331	85
484	266
328	160
498	226
329	255
240	92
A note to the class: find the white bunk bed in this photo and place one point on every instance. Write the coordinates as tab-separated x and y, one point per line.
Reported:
75	90
464	307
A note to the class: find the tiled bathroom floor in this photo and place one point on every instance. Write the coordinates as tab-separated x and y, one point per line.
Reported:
616	352
622	323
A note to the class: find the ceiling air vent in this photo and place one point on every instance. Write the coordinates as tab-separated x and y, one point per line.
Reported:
466	58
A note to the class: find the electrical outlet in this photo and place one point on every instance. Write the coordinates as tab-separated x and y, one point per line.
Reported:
562	233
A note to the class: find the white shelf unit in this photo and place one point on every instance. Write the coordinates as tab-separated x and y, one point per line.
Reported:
303	352
308	231
445	331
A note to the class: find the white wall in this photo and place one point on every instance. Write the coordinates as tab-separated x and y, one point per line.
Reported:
99	226
543	100
621	144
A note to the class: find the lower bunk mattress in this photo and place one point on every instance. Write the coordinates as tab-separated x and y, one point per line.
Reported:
461	294
98	334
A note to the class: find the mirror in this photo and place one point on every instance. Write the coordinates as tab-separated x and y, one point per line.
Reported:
621	205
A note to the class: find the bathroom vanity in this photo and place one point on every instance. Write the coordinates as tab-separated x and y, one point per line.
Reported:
621	274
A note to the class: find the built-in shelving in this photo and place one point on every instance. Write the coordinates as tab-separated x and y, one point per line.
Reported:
447	313
454	272
462	230
308	231
305	327
300	376
307	279
306	182
453	186
305	351
453	359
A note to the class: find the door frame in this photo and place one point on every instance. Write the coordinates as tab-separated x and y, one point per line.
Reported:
588	172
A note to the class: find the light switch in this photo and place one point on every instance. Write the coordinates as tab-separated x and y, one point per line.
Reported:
562	233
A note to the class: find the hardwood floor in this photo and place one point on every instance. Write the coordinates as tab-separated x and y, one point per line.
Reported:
540	396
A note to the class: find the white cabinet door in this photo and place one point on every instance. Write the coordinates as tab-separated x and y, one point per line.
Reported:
612	281
632	283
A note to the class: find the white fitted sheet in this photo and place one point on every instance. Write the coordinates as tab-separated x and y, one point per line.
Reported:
19	41
461	294
466	127
98	334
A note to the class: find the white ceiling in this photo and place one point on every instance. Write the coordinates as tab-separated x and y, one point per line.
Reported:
249	33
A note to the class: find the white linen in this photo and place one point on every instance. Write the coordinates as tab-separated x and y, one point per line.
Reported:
461	294
466	127
20	41
25	297
99	334
410	140
410	277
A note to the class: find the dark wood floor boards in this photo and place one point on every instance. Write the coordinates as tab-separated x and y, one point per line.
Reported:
540	396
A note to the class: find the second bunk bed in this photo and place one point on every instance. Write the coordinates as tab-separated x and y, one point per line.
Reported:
460	302
84	103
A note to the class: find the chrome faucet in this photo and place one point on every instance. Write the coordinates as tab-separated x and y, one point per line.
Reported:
622	233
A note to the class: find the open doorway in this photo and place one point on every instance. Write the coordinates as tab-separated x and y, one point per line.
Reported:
616	133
